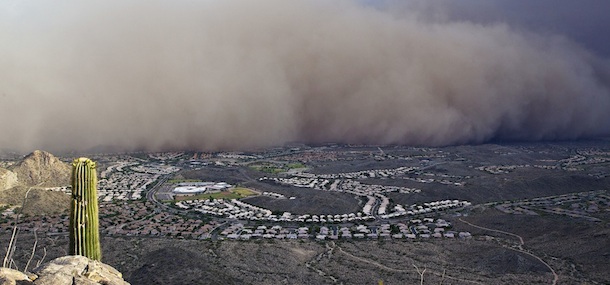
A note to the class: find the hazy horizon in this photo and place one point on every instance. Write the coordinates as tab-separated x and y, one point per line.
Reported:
209	75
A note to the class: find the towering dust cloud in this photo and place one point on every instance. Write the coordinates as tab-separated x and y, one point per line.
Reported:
238	74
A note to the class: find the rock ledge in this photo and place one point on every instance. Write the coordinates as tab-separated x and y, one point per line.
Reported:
67	270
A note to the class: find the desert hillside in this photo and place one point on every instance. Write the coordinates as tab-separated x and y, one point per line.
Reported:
8	179
41	167
38	171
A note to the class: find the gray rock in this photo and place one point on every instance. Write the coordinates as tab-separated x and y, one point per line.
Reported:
77	270
13	277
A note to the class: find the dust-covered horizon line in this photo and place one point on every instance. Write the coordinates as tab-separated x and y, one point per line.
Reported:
109	150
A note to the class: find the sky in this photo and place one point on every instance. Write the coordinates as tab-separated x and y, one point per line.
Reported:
585	22
235	75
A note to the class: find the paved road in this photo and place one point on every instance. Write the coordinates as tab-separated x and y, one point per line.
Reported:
151	196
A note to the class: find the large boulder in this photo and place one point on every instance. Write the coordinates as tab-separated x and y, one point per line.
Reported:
66	270
79	270
13	277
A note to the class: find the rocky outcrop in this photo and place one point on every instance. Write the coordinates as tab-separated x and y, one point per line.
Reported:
12	277
42	167
8	179
68	270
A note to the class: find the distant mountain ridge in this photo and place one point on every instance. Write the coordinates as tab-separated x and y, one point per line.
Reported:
39	169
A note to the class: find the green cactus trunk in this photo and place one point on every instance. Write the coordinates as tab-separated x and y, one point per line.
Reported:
84	223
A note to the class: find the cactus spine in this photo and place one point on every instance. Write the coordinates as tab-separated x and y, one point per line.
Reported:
84	224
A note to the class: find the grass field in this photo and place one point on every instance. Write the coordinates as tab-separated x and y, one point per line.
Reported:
267	168
176	181
295	165
234	193
276	168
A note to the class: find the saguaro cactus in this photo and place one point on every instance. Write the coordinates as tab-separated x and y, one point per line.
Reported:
84	223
